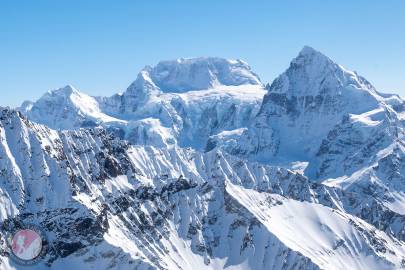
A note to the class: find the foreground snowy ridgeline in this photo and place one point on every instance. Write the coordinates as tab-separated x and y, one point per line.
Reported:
198	165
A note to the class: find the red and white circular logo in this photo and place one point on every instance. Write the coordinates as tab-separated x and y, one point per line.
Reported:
26	244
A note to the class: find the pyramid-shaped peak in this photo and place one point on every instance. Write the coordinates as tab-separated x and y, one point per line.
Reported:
312	73
309	51
309	55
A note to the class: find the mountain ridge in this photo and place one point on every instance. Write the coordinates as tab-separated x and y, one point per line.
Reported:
181	170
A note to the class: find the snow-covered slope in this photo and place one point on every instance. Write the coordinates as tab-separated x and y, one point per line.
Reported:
331	238
198	165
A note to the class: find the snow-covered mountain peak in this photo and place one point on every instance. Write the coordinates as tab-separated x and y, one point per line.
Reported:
66	94
312	62
143	86
309	52
312	73
65	108
185	74
66	90
301	107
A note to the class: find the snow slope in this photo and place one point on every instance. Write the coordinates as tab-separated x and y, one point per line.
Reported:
135	206
329	237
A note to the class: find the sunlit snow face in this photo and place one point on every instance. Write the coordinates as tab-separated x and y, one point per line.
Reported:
26	244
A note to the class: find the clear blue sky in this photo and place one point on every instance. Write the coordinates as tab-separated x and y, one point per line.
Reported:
99	46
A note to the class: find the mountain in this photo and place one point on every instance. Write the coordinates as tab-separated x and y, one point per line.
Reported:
166	105
126	206
183	75
66	108
301	107
199	165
